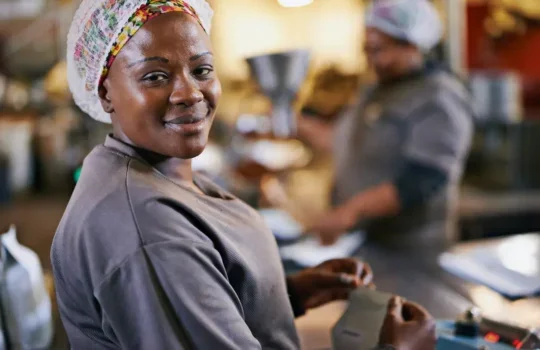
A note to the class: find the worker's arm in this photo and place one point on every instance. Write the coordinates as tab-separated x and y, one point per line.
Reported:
437	147
416	184
316	133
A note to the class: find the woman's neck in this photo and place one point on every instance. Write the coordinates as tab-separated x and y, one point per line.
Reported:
176	169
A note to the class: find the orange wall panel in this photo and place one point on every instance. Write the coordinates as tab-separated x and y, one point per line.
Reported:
516	53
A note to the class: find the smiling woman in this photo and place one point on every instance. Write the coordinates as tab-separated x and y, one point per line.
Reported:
150	255
161	98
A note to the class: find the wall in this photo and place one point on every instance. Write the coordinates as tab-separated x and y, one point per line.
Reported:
15	144
517	53
332	29
20	9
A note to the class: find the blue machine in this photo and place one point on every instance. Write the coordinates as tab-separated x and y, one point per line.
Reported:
474	332
447	340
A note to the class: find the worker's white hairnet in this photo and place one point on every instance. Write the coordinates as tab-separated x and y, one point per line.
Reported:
415	21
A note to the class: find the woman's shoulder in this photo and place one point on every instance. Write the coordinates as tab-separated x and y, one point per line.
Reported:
97	231
117	210
102	204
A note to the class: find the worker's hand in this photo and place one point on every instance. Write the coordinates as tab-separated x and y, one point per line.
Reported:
273	192
329	226
408	326
318	134
311	126
332	280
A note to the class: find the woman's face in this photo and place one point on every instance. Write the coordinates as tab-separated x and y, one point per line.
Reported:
162	90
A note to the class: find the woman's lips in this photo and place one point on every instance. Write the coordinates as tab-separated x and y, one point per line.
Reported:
188	124
190	119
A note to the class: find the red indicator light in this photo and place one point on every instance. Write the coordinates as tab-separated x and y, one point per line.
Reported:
517	344
492	337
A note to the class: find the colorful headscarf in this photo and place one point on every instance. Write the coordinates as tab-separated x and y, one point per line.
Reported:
101	28
145	13
415	21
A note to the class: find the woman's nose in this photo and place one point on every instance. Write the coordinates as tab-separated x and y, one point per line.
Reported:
186	92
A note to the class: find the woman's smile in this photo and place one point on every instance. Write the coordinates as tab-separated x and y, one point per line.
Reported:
189	124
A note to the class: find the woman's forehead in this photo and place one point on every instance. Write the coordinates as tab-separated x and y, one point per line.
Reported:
172	33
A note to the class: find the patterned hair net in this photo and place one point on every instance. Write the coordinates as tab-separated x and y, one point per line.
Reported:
415	21
97	34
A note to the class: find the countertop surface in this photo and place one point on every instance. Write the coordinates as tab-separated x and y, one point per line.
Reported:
417	277
474	202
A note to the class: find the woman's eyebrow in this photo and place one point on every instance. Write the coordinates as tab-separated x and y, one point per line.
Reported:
164	60
147	59
196	57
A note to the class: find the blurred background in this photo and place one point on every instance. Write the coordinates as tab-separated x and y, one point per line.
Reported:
493	45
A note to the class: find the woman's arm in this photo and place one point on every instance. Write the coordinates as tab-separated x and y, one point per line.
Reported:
173	295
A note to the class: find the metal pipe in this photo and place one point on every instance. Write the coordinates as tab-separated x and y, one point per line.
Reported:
456	31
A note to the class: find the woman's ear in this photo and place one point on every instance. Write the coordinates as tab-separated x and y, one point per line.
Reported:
106	102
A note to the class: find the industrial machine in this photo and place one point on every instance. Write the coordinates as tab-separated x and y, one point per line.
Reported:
280	76
474	332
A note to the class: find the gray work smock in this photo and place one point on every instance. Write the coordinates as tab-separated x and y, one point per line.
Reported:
425	118
144	262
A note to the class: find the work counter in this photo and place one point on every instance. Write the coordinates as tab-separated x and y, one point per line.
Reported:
418	277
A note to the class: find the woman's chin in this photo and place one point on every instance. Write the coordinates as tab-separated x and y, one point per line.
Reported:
189	150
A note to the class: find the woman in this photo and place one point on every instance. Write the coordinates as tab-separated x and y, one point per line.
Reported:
149	255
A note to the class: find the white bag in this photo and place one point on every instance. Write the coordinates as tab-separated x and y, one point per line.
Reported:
24	302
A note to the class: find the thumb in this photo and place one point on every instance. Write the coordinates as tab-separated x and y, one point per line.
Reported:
395	309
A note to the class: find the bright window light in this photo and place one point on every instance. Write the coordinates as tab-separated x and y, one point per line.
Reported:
294	3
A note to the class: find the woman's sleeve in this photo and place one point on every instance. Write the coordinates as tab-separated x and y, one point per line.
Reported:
173	295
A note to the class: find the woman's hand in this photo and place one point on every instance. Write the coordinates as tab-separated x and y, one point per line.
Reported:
332	280
408	326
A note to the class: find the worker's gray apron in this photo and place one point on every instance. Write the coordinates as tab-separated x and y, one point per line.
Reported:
369	144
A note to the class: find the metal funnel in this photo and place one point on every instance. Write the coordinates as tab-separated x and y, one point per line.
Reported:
280	76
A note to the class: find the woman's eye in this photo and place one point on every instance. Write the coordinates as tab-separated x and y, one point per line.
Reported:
155	77
203	71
